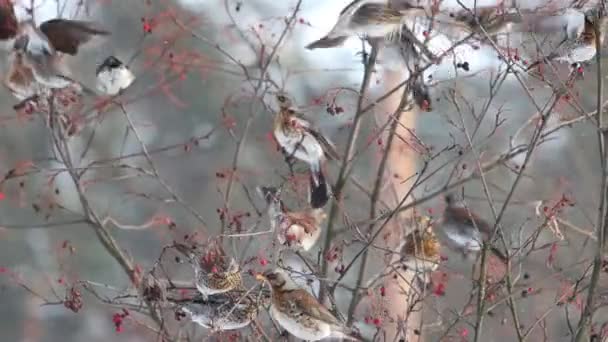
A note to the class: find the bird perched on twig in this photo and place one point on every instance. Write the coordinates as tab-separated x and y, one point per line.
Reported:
227	311
299	312
419	251
113	76
298	139
579	45
367	18
213	274
295	229
464	231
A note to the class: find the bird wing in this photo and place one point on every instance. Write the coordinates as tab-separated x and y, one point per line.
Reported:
8	20
67	35
302	301
328	146
375	13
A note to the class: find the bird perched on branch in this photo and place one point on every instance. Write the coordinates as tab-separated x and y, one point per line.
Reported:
299	312
295	229
367	18
464	231
298	139
579	44
213	273
419	251
113	76
227	311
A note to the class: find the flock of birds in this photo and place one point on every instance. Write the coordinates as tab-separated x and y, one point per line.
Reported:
36	72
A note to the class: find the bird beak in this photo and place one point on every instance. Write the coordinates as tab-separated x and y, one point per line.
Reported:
260	277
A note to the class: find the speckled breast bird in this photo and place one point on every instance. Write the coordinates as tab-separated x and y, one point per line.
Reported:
212	274
298	230
419	251
113	76
579	45
367	18
299	140
464	231
227	311
299	312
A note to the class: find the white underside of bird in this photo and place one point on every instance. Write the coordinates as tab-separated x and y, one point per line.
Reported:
111	82
322	330
461	238
578	55
301	146
296	237
419	265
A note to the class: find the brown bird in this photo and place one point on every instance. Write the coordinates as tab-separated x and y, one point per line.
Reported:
464	231
299	312
295	229
212	273
298	139
369	19
420	249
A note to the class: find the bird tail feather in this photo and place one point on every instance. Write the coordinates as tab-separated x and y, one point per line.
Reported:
319	189
326	42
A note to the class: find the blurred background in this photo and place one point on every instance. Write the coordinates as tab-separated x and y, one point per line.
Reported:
190	105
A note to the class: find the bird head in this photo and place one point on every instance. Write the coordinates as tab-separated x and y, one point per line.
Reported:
278	280
109	63
284	100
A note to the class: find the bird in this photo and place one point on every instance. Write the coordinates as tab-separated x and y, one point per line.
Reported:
299	312
464	231
298	230
212	275
220	312
41	47
369	19
579	44
113	76
419	251
299	140
421	94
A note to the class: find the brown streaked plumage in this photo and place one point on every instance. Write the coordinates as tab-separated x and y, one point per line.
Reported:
367	18
213	272
420	249
299	312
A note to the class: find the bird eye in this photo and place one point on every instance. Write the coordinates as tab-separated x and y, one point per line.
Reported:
282	98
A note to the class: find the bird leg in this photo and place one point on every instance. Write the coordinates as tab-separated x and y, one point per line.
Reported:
289	160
